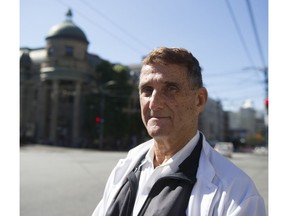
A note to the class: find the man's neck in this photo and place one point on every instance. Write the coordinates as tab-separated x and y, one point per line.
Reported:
164	150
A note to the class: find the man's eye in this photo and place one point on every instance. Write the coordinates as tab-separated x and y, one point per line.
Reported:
172	88
147	91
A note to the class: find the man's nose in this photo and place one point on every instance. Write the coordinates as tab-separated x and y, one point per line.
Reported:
156	101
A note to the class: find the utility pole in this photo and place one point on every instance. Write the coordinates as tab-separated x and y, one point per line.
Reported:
265	72
266	101
266	87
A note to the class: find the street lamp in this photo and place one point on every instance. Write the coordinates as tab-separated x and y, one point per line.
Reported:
103	92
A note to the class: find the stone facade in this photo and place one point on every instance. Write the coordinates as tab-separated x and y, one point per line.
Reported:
53	83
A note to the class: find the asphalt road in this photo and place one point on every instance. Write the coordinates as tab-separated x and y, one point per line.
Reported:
57	181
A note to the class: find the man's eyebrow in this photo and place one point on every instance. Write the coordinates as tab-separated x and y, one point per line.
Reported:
169	83
142	83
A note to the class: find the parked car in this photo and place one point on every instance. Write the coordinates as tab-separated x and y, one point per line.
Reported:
224	148
261	150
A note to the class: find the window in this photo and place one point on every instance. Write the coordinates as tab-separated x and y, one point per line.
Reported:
69	51
50	51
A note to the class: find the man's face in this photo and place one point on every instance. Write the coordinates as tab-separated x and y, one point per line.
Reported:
169	105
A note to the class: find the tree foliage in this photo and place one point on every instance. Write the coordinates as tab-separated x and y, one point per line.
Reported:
110	101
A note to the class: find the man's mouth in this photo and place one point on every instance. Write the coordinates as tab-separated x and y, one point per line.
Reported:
158	117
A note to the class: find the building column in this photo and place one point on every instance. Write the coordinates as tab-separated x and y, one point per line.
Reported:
41	111
76	111
54	111
22	106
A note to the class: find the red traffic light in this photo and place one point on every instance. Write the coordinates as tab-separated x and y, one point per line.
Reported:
266	102
97	119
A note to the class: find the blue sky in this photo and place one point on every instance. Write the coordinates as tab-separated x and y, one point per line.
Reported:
219	33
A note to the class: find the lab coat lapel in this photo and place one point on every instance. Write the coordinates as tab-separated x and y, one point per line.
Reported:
205	185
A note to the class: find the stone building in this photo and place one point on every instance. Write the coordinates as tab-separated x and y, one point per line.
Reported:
53	82
211	121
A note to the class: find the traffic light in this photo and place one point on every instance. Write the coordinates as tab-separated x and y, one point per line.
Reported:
266	103
98	119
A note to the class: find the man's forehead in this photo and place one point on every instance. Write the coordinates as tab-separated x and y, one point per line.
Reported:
167	69
166	72
153	78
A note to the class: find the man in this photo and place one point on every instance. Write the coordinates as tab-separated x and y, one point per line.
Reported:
176	172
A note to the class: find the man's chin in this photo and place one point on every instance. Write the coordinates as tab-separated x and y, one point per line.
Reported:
158	133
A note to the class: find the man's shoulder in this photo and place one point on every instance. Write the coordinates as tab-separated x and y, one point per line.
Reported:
225	170
223	165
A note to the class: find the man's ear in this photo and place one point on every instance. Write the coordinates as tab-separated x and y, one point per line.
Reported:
202	98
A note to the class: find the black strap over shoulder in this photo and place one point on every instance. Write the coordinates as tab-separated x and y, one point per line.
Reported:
124	200
169	196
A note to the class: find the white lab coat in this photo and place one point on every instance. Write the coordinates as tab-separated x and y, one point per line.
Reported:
222	189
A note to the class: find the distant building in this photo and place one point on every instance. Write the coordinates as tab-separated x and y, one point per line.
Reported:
53	83
246	122
211	121
235	131
248	118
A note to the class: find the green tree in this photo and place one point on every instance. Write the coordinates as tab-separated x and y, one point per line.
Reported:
110	101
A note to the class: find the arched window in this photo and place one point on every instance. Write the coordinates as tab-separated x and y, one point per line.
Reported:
69	51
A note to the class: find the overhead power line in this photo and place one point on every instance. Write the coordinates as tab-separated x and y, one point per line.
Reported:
234	87
115	24
265	68
256	33
239	32
104	29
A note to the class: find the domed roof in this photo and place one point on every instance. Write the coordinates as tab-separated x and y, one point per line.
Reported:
25	58
67	29
248	104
